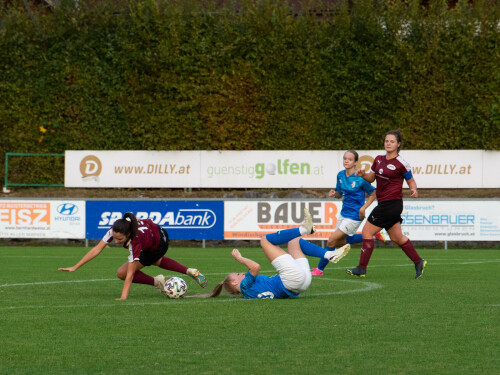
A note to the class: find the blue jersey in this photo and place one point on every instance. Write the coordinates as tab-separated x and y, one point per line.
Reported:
353	188
264	287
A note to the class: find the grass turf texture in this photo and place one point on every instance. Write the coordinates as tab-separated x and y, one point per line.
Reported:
59	323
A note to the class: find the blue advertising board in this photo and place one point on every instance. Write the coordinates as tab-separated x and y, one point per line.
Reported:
187	220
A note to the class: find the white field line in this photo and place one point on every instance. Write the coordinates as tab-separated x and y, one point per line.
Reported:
368	286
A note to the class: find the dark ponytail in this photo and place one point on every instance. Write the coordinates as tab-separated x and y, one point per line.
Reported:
397	134
127	226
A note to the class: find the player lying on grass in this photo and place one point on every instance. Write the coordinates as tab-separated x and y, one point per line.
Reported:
147	244
294	274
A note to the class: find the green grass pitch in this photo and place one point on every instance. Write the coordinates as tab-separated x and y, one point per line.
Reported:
56	322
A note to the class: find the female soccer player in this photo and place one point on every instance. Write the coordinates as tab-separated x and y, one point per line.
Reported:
352	188
294	275
390	170
147	244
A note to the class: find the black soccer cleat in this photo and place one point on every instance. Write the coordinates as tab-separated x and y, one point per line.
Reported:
419	268
356	271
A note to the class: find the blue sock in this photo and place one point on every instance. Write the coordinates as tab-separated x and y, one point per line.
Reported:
324	262
355	238
283	236
311	249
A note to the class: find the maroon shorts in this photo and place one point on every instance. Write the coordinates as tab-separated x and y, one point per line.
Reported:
147	258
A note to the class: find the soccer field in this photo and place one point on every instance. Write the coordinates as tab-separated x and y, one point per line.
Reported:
56	322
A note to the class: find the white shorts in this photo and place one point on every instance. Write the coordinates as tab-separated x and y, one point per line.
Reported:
294	273
348	226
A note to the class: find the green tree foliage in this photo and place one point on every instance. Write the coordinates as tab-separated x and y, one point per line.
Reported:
188	75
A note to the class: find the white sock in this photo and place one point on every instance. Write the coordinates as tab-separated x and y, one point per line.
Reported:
302	230
329	254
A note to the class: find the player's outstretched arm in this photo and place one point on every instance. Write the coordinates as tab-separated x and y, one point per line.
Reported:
95	251
367	176
252	266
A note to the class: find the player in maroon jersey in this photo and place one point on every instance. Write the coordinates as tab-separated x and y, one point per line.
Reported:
147	243
390	170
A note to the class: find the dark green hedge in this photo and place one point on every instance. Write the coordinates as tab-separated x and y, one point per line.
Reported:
184	75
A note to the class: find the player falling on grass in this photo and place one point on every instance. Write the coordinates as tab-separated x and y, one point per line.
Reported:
147	243
353	190
294	275
390	170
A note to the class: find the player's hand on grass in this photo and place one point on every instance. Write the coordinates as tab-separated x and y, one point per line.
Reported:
68	269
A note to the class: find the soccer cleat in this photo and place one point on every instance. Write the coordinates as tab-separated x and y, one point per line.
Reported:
160	283
317	272
381	236
308	222
419	268
339	253
356	271
198	277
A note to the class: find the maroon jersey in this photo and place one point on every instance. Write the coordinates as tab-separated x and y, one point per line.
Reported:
390	175
147	239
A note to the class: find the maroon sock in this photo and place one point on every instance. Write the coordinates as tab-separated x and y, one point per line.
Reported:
366	252
142	278
172	265
411	252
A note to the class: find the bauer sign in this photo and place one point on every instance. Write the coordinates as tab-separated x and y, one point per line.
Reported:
247	220
188	220
42	219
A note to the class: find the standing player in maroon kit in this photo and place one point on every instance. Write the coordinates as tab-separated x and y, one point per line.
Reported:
390	170
147	243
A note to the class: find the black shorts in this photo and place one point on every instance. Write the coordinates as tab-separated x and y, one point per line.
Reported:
147	258
387	213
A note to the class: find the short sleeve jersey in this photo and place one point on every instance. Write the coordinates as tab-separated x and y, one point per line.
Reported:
262	287
147	239
390	175
353	188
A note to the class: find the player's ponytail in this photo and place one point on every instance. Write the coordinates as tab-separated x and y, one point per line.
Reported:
127	226
226	284
214	293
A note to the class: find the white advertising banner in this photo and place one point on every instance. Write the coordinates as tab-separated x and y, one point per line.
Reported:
264	169
135	169
452	220
424	220
267	169
42	219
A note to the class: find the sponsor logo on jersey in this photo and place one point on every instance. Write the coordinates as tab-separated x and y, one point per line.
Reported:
391	167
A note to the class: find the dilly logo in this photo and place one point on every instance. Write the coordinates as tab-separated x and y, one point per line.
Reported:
365	162
391	167
67	209
90	166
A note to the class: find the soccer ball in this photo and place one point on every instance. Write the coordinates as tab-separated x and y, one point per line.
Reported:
175	287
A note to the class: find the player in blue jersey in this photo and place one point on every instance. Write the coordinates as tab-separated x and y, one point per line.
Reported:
294	275
353	189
